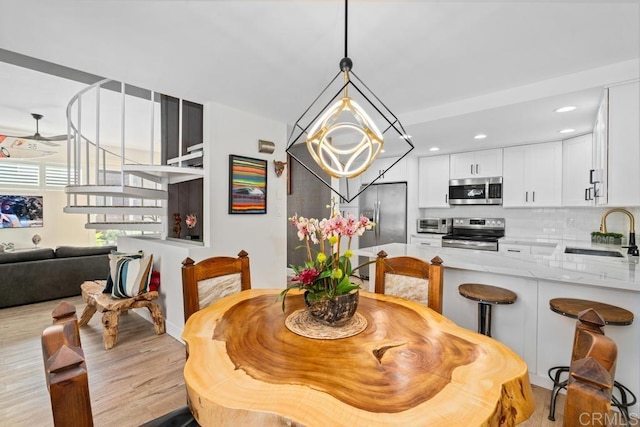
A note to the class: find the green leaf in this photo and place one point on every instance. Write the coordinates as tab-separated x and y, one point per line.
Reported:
345	286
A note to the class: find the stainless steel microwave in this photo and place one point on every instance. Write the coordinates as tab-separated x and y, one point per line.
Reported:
434	225
475	191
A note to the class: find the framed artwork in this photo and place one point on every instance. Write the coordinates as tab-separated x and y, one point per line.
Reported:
247	185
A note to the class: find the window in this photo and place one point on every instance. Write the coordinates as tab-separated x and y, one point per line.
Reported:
19	175
56	176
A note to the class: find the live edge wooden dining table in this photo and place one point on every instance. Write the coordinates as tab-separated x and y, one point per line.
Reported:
410	366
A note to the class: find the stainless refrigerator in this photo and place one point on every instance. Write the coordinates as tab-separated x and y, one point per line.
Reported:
386	205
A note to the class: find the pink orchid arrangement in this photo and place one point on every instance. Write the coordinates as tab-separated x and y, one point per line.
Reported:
328	273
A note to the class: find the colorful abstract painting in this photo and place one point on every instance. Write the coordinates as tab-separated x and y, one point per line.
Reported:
247	185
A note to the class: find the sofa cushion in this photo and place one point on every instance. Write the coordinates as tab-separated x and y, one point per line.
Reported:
26	255
72	251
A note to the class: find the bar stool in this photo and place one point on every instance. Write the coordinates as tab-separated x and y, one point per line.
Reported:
610	315
486	296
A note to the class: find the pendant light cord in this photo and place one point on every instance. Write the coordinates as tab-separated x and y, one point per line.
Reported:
346	25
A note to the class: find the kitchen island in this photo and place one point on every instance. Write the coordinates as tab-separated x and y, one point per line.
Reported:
541	337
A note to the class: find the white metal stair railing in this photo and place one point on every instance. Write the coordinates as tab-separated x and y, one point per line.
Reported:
103	184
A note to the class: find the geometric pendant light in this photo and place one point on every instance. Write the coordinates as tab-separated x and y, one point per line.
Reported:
344	132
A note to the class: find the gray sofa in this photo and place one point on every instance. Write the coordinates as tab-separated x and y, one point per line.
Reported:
38	275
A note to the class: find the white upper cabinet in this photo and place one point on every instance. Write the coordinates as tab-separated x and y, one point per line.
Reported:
394	174
623	146
577	190
532	175
433	182
476	164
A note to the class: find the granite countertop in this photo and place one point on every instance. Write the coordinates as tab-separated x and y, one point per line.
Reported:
615	273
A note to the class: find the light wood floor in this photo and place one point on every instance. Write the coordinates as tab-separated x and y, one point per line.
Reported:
136	381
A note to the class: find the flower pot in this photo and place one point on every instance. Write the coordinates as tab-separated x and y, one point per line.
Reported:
336	311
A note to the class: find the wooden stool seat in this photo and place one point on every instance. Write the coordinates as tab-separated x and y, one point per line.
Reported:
113	307
486	295
611	314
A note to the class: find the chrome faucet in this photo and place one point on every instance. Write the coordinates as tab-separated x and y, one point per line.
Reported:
632	248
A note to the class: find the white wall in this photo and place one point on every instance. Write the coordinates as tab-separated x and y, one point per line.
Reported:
264	237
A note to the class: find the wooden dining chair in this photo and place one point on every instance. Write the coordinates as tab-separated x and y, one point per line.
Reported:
67	377
591	374
207	281
410	278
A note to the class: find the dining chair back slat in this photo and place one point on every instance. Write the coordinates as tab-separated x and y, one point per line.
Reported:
207	281
410	278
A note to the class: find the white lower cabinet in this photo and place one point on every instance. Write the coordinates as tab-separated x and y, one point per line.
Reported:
512	324
532	175
432	240
511	249
541	337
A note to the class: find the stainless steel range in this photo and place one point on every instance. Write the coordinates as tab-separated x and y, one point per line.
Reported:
475	233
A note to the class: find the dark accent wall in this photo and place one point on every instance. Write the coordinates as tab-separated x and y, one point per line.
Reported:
309	198
186	198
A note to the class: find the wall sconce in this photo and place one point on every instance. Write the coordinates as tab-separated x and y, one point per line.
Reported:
266	146
279	166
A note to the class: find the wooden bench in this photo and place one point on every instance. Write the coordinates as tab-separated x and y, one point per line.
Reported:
113	307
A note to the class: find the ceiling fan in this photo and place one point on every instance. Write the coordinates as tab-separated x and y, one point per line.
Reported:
43	139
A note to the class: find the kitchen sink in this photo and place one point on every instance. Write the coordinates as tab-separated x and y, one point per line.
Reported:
596	252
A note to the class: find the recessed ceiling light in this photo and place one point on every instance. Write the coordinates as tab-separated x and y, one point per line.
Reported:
566	130
434	149
480	136
565	109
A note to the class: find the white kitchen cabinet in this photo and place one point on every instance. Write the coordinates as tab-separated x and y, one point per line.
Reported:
532	175
577	155
427	239
520	248
514	249
395	173
433	182
623	146
599	152
476	164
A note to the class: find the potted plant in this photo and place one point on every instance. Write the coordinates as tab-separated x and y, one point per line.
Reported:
326	275
606	238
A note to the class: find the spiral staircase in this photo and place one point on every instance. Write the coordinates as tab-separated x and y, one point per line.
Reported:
114	190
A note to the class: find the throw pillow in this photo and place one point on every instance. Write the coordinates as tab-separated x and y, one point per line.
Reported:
131	276
114	256
154	283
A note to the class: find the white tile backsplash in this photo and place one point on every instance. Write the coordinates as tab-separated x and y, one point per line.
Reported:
544	223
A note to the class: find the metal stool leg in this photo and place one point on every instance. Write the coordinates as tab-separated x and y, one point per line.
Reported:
623	404
484	319
554	374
